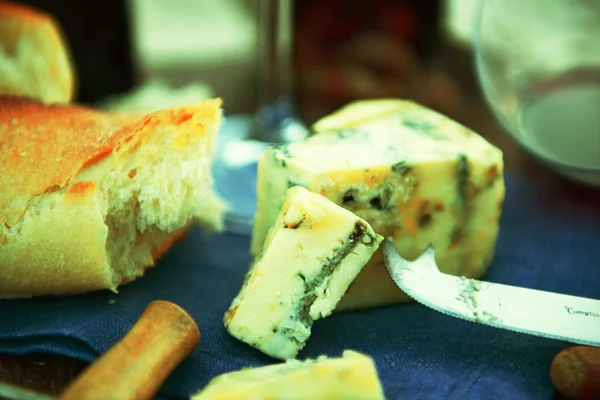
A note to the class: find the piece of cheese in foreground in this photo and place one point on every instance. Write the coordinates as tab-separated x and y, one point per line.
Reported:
413	174
312	254
352	376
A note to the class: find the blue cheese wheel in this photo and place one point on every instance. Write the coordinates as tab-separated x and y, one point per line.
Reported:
311	255
413	174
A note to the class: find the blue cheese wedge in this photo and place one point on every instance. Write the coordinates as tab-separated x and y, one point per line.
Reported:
413	174
313	252
352	376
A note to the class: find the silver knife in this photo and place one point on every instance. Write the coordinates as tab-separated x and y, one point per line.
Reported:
546	314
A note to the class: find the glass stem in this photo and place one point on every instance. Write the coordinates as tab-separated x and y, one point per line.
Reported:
274	56
275	110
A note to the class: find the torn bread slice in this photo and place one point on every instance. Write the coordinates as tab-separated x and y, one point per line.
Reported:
89	200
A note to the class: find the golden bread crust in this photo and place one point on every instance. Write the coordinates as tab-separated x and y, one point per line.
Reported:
78	264
49	145
65	226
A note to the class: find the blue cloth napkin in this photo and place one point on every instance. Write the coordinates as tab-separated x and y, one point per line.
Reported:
549	240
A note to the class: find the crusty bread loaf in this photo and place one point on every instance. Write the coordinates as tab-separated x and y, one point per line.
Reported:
35	58
88	200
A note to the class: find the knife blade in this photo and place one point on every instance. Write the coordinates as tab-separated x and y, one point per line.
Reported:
535	312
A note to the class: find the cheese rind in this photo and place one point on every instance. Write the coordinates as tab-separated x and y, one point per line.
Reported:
413	174
312	254
352	376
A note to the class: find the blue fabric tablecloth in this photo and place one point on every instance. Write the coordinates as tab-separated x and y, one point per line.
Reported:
549	240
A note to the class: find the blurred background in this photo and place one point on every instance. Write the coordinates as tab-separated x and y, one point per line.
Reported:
148	54
342	49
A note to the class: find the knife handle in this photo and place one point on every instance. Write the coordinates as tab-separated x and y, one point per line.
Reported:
138	364
575	372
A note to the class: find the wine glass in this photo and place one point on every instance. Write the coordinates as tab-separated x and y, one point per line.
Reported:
538	63
274	122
